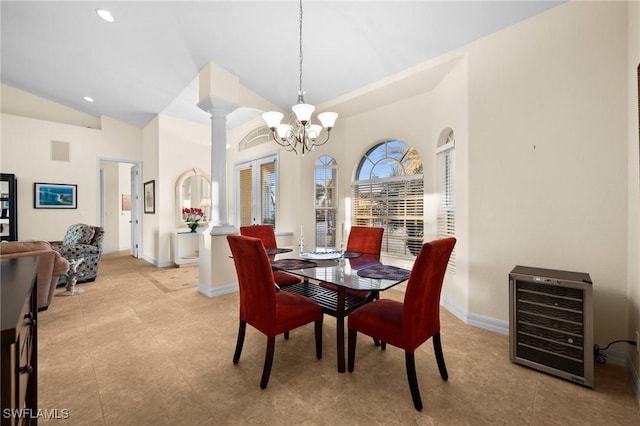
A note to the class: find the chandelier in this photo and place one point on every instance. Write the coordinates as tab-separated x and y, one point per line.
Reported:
300	133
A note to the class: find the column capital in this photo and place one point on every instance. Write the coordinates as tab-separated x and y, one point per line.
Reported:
217	107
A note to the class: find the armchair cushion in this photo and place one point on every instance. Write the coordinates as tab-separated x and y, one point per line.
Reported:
78	234
50	267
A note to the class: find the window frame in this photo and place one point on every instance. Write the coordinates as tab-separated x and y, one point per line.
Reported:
402	217
321	241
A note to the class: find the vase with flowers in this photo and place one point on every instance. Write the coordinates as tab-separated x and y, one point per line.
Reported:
192	216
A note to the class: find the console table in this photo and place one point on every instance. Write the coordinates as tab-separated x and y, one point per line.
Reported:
19	391
186	246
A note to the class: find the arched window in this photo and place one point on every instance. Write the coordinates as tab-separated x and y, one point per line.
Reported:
389	192
325	201
446	190
255	137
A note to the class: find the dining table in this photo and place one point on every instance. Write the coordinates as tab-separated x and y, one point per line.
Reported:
343	271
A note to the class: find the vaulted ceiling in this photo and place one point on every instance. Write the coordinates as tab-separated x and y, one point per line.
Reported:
147	61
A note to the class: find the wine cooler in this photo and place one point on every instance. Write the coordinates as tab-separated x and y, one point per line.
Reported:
551	322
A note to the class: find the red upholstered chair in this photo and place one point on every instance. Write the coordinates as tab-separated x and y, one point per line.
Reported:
408	324
365	240
262	307
268	237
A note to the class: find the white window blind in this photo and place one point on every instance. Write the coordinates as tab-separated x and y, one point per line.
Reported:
397	205
268	191
446	195
325	201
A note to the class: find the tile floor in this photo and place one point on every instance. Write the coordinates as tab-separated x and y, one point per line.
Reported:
133	350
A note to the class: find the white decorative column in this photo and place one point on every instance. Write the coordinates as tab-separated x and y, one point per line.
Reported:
219	109
217	273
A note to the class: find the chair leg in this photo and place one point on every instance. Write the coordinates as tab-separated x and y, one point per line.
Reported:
286	335
318	329
383	346
413	379
437	348
268	361
240	342
351	351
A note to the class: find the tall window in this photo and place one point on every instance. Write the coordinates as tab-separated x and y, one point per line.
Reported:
389	192
446	191
325	181
257	183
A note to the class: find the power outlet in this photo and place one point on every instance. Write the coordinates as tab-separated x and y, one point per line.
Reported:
638	341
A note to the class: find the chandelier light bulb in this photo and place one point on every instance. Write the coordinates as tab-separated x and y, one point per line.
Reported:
303	112
272	118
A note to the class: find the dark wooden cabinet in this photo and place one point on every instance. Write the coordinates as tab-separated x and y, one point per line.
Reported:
19	365
8	207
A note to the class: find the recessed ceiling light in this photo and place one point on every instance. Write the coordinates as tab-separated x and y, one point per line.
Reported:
88	98
105	14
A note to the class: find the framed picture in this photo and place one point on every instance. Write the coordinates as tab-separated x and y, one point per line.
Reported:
55	196
5	200
150	197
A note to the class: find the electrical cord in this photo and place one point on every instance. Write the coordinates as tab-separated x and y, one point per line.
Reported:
601	358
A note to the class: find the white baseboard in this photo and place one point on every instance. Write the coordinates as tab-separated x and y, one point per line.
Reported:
488	323
616	357
218	291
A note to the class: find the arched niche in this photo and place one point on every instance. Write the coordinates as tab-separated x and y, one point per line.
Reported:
193	189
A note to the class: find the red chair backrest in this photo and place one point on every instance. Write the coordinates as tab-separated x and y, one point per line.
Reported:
421	311
264	232
255	279
365	240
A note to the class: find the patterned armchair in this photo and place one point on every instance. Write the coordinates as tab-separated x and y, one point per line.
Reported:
79	241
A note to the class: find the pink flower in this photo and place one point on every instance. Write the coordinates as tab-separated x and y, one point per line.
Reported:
192	214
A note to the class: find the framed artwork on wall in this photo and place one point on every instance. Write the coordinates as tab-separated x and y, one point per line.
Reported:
150	197
55	196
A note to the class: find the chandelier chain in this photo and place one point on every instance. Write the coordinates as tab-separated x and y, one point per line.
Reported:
300	92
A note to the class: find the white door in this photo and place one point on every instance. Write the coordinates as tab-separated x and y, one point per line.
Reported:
257	191
136	208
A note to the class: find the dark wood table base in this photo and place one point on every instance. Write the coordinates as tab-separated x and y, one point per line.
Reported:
337	303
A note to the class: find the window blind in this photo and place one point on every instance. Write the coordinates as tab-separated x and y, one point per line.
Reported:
397	205
446	199
325	202
246	197
268	185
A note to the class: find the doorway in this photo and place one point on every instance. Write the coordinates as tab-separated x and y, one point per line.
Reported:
119	205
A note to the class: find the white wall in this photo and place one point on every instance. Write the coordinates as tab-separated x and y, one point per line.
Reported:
547	156
26	152
182	146
150	171
450	109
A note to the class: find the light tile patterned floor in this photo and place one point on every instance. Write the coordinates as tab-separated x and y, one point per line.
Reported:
133	350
